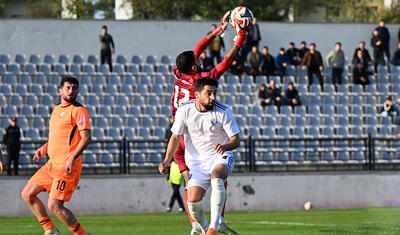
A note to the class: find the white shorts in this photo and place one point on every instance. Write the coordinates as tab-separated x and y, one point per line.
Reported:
200	173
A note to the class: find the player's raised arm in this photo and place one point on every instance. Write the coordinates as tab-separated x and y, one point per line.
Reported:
205	42
234	51
171	149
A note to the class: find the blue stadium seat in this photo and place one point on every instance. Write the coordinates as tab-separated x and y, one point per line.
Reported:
112	90
60	69
255	121
5	59
138	101
299	132
88	69
132	122
45	69
151	59
46	100
38	124
166	59
135	111
129	133
261	80
16	101
30	69
329	100
98	133
328	121
313	131
92	59
136	60
34	59
146	121
105	111
21	90
121	59
327	131
49	59
43	111
162	122
20	59
127	89
357	110
75	69
272	110
314	110
118	69
25	79
63	59
133	69
144	132
36	89
116	122
343	100
32	134
266	157
372	130
356	121
357	156
89	160
91	110
114	134
285	121
10	111
27	112
240	121
356	131
150	110
104	69
77	59
100	80
120	111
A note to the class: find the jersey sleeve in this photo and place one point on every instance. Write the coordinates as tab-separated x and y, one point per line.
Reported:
229	123
219	69
82	119
201	46
179	123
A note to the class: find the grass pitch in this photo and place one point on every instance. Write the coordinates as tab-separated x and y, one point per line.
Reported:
371	221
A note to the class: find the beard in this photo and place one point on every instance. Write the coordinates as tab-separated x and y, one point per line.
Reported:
208	106
69	99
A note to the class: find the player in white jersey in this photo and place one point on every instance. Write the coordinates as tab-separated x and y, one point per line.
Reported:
210	133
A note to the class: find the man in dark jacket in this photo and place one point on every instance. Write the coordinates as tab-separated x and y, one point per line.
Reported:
385	37
396	56
206	62
105	49
274	93
254	61
292	95
377	44
269	66
360	75
282	60
366	58
293	54
11	138
303	49
313	61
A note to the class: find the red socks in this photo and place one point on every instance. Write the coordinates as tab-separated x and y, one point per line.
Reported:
46	223
77	229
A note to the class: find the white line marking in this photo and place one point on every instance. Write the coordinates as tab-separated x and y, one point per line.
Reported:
287	223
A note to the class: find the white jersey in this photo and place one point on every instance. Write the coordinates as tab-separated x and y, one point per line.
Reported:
202	130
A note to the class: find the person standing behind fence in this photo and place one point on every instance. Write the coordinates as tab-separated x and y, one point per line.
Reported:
385	37
175	178
377	44
105	49
11	138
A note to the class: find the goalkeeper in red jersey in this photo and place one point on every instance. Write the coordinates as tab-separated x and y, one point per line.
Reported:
186	72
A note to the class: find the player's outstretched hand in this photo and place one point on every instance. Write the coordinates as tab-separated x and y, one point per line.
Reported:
68	165
163	167
224	24
219	149
40	152
241	31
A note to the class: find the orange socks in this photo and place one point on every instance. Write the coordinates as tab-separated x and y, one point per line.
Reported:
77	229
46	223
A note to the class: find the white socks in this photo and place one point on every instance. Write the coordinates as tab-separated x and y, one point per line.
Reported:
217	201
196	210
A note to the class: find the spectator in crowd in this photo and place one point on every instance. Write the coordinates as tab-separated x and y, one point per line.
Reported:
388	109
254	61
360	59
282	60
303	49
176	179
253	38
336	60
385	38
263	96
396	56
105	49
269	67
293	54
237	66
365	57
206	62
274	94
215	46
313	61
11	138
376	43
168	132
292	95
254	33
360	75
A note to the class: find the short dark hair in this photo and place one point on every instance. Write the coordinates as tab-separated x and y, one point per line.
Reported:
70	79
204	81
338	43
265	47
104	27
291	43
363	42
185	61
303	42
282	49
312	44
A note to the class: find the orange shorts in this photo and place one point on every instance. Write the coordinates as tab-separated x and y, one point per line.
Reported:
52	177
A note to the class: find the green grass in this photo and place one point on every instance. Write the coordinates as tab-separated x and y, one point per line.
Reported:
371	221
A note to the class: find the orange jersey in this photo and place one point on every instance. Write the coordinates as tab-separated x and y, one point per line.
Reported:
65	124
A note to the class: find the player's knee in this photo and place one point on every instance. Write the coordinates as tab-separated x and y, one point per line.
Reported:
220	171
54	207
27	194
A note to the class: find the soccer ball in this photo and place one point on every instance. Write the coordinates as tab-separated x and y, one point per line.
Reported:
241	16
307	206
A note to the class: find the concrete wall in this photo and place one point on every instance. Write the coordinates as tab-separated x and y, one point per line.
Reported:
166	37
133	194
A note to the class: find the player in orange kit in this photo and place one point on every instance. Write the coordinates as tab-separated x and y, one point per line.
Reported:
69	135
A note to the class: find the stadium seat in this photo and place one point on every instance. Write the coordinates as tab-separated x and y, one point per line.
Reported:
30	69
60	69
27	112
63	59
75	69
49	59
144	132
104	69
38	124
118	69
5	59
166	59
10	111
260	79
105	111
135	111
133	69
151	59
299	132
129	134
136	60
34	59
92	59
77	59
121	59
98	133
43	112
46	100
32	134
36	89
21	89
20	59
112	90
108	101
88	69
